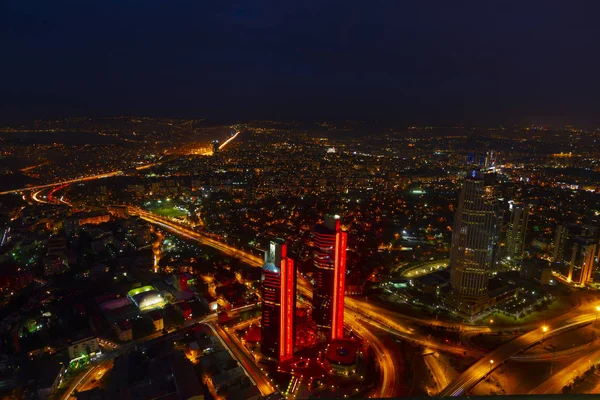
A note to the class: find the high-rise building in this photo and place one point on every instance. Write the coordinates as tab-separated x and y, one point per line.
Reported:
474	242
561	236
516	230
279	303
583	260
215	146
330	273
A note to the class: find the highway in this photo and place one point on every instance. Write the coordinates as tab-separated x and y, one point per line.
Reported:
388	381
254	372
560	355
193	235
555	383
469	378
225	143
439	375
81	179
85	378
464	382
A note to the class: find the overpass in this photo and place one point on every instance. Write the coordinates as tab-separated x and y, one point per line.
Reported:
484	366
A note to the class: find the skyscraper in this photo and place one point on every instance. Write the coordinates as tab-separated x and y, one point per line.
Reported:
330	273
279	302
474	242
583	260
561	236
516	230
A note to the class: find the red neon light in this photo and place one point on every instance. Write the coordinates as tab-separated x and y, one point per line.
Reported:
339	280
286	333
283	270
336	264
290	309
341	287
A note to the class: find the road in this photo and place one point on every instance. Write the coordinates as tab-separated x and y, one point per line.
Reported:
388	381
198	237
81	179
439	375
561	355
464	382
85	378
556	382
253	371
469	378
225	143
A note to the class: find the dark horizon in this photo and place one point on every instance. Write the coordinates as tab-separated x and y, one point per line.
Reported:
424	64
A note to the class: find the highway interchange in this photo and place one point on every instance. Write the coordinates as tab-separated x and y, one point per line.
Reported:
367	319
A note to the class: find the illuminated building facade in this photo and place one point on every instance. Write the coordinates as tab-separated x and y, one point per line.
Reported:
330	274
474	242
279	303
584	259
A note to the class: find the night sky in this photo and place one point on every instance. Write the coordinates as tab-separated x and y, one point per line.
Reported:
438	62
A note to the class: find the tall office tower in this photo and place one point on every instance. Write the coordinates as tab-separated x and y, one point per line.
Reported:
474	242
330	273
516	230
215	146
490	159
583	260
561	236
279	303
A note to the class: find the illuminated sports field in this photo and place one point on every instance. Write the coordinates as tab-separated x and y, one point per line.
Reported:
169	211
147	298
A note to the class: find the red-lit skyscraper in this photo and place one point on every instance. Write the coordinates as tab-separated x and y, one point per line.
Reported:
330	273
279	303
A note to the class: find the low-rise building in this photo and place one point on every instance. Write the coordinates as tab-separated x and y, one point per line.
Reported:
84	348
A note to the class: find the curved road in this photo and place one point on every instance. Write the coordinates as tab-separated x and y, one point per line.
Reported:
556	382
388	381
469	378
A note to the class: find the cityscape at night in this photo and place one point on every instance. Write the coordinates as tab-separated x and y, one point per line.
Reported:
298	201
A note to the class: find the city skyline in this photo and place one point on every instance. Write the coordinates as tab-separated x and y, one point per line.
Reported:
296	200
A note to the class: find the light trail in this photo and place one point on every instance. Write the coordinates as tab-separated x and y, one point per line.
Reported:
558	355
35	197
34	167
225	143
387	388
74	387
485	365
556	382
258	376
464	382
82	179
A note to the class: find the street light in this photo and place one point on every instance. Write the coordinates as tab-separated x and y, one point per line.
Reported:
597	309
491	365
544	329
